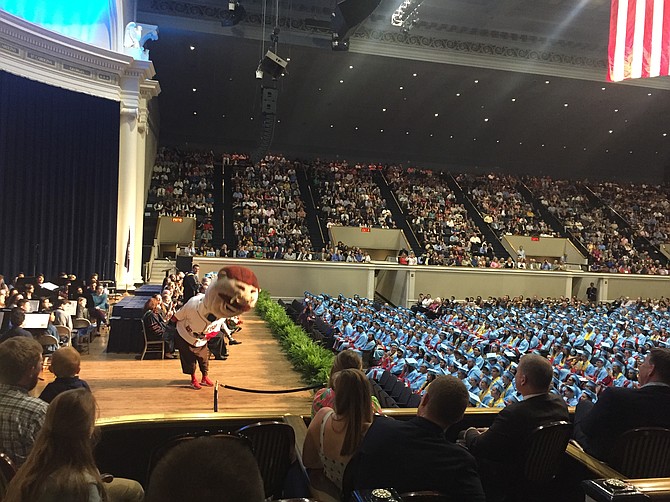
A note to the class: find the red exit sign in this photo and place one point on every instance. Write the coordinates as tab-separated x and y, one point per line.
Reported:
365	229
177	220
536	239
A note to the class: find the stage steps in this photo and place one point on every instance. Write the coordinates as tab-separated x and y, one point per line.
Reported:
158	270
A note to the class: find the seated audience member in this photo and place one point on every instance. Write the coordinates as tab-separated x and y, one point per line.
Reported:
61	466
326	397
16	318
334	435
21	416
414	455
229	474
100	305
82	309
65	364
621	409
498	450
155	327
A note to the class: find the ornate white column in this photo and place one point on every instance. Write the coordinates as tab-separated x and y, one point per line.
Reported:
148	90
131	170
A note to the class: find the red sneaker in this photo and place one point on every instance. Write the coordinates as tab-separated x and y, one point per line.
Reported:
206	381
194	383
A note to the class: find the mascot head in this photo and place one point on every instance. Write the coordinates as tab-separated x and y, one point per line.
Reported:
234	292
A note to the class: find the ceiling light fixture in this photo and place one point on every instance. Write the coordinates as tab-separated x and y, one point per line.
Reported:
406	15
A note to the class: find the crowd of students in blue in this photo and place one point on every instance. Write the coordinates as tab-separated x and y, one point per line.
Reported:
591	346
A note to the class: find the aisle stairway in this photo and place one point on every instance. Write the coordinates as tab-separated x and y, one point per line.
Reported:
317	232
158	270
487	233
550	218
218	216
640	243
227	214
397	212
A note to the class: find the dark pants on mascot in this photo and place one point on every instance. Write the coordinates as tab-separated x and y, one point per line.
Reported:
189	355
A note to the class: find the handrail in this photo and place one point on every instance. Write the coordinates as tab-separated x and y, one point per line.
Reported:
600	469
318	220
223	196
409	225
474	206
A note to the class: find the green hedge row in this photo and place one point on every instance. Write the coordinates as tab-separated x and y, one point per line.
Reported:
311	360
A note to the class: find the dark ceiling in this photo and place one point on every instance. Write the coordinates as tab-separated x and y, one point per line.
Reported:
359	106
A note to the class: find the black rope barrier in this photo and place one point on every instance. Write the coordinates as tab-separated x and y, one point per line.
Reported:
283	391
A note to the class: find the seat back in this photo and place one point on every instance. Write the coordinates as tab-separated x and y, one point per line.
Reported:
404	396
384	378
47	340
7	472
386	401
274	448
157	346
642	453
414	401
64	332
160	451
80	323
545	448
391	384
83	334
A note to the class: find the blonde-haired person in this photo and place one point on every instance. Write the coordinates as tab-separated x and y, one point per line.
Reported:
334	435
326	397
60	466
65	364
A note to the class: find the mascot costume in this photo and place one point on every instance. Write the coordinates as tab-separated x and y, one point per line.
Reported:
234	292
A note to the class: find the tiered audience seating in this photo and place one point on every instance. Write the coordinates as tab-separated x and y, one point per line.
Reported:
610	248
269	211
645	207
270	214
442	226
502	206
182	185
349	196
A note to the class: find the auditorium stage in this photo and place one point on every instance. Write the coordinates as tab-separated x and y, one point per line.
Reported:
124	385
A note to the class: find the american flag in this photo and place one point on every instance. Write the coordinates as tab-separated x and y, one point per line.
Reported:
127	260
639	45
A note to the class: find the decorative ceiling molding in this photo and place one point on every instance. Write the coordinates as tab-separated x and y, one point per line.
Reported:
39	54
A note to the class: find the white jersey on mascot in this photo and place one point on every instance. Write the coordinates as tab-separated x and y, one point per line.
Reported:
234	292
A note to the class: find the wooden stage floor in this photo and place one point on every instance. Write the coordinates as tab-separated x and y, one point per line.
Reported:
123	385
